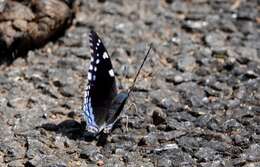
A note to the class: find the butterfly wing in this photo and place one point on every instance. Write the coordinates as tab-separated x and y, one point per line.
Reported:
121	99
101	88
117	107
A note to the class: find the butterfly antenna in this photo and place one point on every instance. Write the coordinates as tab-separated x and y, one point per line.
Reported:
133	84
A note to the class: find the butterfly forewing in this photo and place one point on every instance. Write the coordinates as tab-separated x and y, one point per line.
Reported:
101	88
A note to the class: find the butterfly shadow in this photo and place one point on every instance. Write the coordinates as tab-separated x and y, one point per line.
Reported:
74	130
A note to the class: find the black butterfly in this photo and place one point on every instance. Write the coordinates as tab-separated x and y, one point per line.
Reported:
102	103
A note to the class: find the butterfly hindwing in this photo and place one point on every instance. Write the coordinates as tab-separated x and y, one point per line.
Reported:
101	88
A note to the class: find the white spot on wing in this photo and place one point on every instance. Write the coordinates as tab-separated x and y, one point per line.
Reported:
91	59
99	41
90	67
94	77
105	55
98	44
91	50
111	73
97	61
89	76
95	69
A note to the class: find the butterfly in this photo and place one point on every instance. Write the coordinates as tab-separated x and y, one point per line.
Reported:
102	103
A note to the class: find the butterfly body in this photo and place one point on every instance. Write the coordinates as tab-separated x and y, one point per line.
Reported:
102	103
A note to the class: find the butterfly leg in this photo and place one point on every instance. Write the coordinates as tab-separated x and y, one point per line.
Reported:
126	123
125	116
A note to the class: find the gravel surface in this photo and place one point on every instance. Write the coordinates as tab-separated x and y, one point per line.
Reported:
196	101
